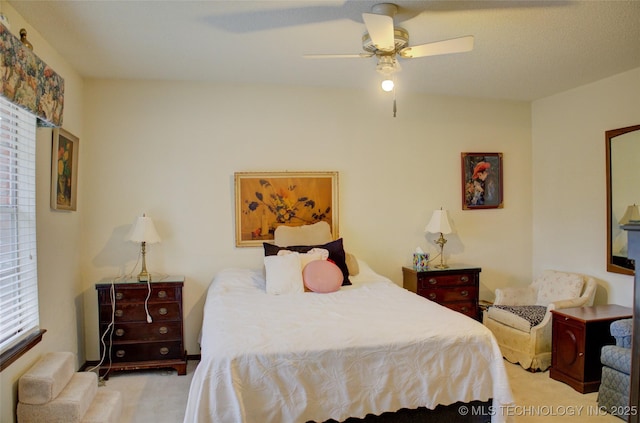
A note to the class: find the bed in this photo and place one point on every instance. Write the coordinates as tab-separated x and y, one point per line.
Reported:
369	348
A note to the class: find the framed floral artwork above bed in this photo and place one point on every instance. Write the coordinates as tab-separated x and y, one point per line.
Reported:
482	181
266	200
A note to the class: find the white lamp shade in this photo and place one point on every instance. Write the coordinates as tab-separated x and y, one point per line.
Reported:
439	223
143	230
632	213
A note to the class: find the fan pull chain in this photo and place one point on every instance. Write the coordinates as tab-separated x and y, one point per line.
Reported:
394	103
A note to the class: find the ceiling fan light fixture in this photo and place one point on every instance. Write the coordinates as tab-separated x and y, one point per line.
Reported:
387	84
386	65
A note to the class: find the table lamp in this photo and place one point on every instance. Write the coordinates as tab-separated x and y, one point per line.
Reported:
631	214
143	231
439	223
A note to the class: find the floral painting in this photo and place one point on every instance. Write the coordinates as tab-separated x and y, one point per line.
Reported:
481	181
64	170
265	201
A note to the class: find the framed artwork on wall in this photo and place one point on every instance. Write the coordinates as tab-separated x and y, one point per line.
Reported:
64	170
266	200
482	181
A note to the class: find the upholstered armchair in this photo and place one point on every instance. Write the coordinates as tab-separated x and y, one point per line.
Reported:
520	317
613	394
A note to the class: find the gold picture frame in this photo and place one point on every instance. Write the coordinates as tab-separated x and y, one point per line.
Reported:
266	200
64	170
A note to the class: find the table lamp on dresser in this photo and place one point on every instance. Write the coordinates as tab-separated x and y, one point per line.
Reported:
439	223
144	232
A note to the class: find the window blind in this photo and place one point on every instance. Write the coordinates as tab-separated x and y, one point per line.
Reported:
19	316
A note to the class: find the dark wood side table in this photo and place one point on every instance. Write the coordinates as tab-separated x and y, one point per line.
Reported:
456	287
135	340
579	334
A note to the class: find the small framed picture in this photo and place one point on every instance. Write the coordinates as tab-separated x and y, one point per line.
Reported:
64	170
482	181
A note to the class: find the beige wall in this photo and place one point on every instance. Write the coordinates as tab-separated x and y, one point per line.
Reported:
58	236
171	149
569	209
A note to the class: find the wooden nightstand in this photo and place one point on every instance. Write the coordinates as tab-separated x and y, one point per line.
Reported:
455	288
135	342
578	335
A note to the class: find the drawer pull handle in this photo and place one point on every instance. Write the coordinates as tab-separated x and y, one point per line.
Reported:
433	281
120	353
464	278
163	311
163	330
119	313
119	332
580	354
162	294
464	293
119	295
432	296
164	350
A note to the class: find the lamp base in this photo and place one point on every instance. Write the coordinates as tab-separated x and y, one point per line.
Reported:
144	276
441	241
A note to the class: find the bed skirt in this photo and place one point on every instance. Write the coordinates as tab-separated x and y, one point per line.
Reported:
472	412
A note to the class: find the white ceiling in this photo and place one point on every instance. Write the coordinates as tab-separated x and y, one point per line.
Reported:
524	50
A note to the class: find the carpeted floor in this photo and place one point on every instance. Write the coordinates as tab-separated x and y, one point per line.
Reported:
160	396
157	396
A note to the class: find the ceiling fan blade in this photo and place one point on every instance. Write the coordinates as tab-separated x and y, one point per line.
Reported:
454	45
380	29
338	56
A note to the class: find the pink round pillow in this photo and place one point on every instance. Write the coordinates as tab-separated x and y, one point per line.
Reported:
322	276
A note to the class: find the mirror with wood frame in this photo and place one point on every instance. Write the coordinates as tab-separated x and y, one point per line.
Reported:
623	194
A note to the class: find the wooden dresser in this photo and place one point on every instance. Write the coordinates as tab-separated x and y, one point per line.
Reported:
456	288
135	340
578	335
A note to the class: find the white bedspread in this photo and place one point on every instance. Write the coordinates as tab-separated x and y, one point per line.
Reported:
368	348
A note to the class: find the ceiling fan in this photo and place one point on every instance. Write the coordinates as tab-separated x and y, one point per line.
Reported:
387	42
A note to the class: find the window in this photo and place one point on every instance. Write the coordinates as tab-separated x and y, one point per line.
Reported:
19	319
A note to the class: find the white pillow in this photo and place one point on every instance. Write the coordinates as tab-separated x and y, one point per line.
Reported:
283	274
318	233
306	258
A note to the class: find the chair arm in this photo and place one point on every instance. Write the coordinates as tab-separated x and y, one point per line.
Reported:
525	295
590	291
573	302
560	304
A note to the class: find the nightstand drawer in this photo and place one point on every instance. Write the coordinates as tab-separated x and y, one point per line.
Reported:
146	351
162	331
464	307
135	312
430	281
139	294
441	295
